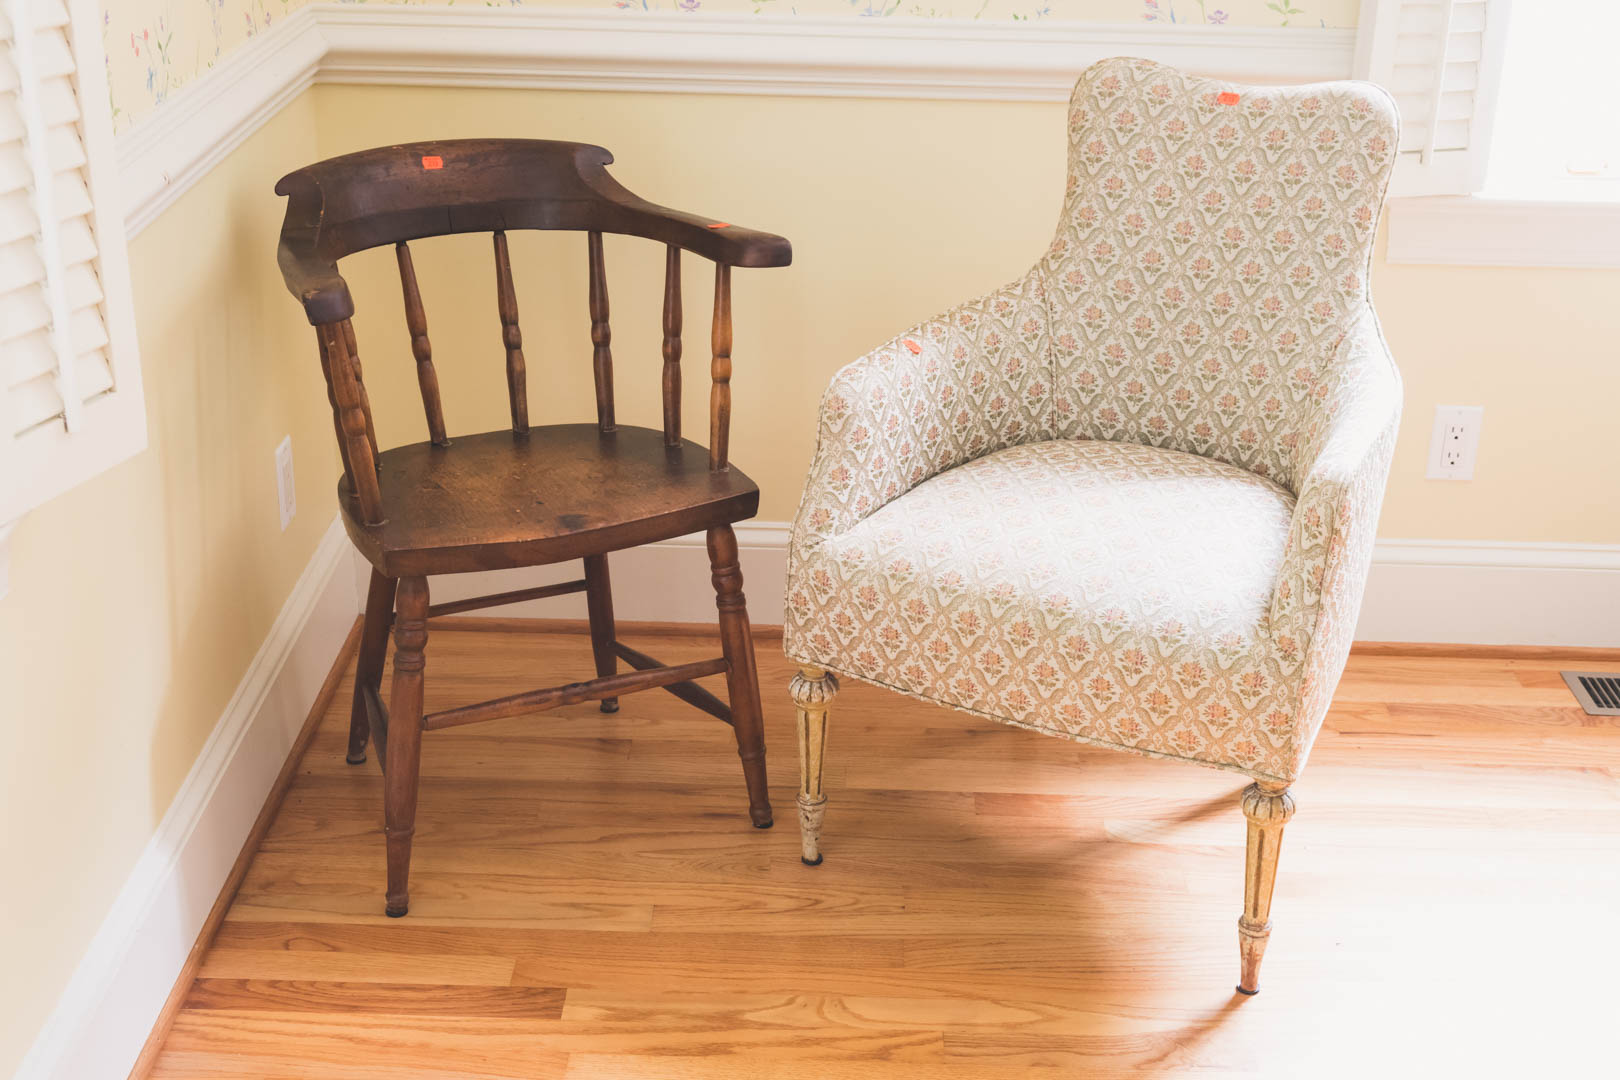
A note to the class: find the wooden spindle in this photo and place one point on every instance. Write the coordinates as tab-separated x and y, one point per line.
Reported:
331	399
601	335
672	346
511	336
421	348
354	422
360	383
720	371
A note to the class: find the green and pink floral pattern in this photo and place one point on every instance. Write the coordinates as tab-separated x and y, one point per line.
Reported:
1130	498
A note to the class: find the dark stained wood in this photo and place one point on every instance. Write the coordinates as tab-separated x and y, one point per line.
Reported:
382	196
517	384
360	384
554	697
599	606
720	371
672	346
404	738
742	679
322	337
689	692
515	596
526	496
501	499
421	348
362	472
601	334
368	667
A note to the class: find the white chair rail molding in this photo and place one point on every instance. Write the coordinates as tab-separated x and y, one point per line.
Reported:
1291	445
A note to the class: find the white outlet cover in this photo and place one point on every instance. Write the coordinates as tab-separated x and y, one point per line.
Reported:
286	490
1454	443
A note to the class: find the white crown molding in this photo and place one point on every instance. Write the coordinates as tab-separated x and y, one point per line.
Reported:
1479	230
113	998
551	48
164	154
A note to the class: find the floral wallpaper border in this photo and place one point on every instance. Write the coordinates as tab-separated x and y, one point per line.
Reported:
156	47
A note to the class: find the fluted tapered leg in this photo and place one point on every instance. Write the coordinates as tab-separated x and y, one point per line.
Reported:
404	738
813	690
742	677
1267	806
368	666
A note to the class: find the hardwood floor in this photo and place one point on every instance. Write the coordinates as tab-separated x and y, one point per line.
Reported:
589	900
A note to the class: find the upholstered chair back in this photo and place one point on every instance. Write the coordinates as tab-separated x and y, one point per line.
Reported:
1211	258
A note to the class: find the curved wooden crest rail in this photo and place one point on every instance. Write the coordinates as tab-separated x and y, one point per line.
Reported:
531	495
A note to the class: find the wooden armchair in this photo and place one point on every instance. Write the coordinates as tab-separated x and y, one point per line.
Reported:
530	495
1128	499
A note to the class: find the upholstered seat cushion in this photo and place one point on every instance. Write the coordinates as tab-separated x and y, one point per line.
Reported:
1109	592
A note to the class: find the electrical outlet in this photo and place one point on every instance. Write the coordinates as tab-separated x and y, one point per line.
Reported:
1455	442
286	492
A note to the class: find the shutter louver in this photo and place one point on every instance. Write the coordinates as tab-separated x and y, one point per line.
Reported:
70	396
1441	60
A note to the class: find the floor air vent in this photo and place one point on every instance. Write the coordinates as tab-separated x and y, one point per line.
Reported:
1597	691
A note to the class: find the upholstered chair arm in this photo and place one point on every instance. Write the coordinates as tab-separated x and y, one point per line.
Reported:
969	381
1343	460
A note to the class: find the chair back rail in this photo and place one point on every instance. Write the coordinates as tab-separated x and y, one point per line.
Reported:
672	345
396	194
421	348
601	334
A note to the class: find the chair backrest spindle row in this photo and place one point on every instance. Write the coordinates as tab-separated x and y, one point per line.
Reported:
421	348
511	336
720	371
601	335
672	346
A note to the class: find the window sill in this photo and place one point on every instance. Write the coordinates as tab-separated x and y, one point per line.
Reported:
1479	230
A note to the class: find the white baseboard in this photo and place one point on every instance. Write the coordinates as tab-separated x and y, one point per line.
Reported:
1479	593
115	994
669	52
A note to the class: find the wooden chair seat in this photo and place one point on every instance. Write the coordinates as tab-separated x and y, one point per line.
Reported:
503	498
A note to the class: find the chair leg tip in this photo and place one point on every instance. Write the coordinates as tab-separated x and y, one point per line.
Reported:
361	760
610	705
396	913
1248	993
767	823
811	862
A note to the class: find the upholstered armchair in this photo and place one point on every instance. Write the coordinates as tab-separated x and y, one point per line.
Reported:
1128	499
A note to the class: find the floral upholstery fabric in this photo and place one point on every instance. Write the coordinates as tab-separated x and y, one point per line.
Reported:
1130	498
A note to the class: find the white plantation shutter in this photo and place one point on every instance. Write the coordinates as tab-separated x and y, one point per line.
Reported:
70	388
1442	61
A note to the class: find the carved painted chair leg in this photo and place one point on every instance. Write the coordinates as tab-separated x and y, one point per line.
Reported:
742	677
368	666
404	738
1267	806
813	690
599	606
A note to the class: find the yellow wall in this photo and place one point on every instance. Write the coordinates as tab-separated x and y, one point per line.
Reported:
897	210
138	599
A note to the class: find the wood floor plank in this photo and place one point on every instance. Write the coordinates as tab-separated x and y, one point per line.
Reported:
589	901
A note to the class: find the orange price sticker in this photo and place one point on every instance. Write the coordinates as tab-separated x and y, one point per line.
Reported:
912	345
1227	98
432	161
721	225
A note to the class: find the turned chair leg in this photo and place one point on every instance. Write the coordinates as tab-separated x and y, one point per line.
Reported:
599	605
742	677
368	666
1267	806
404	738
813	690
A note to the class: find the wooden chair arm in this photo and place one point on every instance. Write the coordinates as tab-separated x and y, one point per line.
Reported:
313	278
